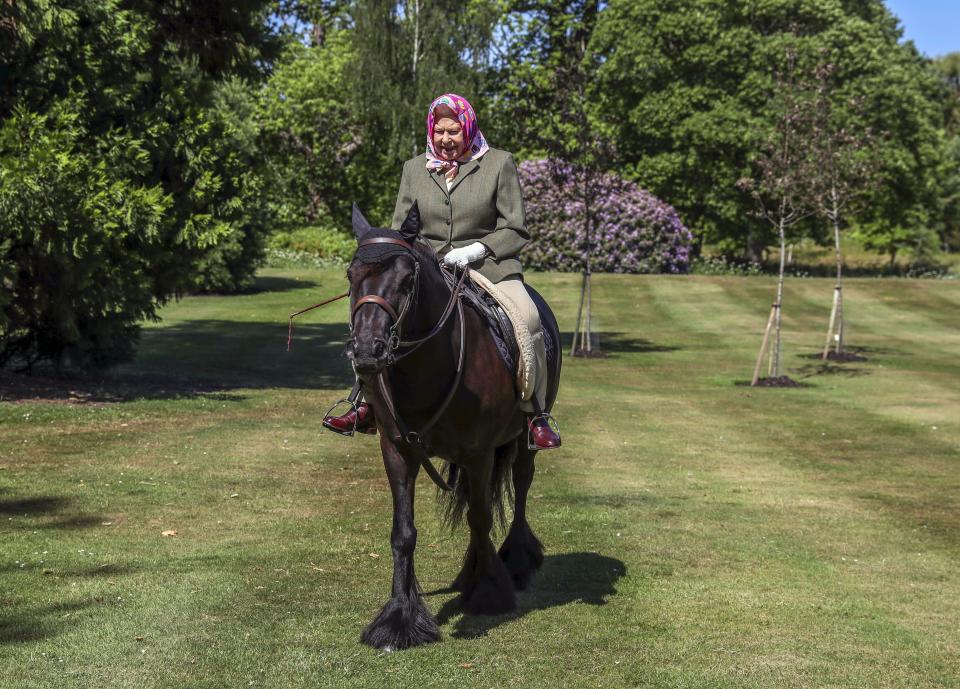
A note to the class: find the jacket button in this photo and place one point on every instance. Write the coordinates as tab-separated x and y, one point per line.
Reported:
448	221
446	202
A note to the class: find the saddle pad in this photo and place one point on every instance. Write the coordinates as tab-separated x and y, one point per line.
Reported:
528	358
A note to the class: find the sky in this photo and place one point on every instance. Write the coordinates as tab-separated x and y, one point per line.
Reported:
933	25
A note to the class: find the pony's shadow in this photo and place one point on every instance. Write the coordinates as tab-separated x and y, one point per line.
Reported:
585	577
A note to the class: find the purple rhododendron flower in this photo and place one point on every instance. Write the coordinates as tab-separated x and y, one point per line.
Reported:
633	231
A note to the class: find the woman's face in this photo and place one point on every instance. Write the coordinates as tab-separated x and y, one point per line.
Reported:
448	139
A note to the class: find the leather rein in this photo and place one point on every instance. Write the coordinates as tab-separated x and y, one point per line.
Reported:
399	348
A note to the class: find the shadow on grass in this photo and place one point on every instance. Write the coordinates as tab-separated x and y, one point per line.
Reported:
618	343
19	625
46	512
265	283
40	504
572	577
211	358
865	352
827	368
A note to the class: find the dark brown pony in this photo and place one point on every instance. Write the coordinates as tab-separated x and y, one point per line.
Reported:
481	433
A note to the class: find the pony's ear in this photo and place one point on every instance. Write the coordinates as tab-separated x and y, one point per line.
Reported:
410	229
360	224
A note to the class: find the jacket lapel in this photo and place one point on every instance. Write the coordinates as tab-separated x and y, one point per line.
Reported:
465	169
438	179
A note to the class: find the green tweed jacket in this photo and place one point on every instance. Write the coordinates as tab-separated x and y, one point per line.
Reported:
484	204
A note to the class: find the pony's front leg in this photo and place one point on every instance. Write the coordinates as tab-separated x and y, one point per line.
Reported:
404	621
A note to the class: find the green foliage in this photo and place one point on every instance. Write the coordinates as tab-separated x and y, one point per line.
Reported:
125	180
947	67
312	135
405	54
234	148
541	99
325	243
950	196
78	240
685	89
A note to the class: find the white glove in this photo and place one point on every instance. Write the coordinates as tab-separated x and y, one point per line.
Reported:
465	255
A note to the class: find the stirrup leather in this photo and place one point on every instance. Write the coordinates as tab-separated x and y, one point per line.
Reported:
552	422
356	412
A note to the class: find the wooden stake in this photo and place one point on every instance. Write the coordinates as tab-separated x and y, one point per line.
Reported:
833	320
576	330
763	346
586	331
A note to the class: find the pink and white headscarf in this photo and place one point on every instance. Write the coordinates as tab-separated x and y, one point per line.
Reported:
476	145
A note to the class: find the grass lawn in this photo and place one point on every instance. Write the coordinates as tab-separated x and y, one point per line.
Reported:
699	533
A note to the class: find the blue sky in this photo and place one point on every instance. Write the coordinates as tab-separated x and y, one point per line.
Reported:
934	25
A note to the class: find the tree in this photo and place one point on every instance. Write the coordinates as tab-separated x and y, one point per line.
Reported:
313	135
546	81
116	186
683	86
845	165
784	185
947	68
405	54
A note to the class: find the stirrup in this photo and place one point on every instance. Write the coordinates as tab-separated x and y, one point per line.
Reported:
554	426
356	413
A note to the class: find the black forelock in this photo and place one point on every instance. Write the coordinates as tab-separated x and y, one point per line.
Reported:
378	253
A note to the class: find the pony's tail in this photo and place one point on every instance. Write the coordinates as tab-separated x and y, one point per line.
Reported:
453	503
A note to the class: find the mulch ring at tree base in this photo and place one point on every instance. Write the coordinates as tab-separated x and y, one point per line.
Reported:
781	382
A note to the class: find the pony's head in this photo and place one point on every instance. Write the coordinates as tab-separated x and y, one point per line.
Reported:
384	277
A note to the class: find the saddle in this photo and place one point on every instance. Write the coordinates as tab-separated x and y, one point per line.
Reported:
498	323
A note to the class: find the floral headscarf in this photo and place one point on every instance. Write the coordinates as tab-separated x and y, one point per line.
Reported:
476	145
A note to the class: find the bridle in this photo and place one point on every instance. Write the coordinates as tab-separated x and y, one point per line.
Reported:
398	348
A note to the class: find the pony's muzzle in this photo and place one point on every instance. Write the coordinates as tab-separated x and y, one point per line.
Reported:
369	359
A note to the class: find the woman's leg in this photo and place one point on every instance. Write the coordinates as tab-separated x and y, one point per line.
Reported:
544	437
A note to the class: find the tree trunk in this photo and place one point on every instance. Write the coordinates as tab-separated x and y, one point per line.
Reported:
836	236
774	371
836	312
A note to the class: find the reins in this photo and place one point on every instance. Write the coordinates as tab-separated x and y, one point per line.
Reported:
309	308
395	344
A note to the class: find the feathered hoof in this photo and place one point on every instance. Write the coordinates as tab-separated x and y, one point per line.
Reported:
403	622
489	595
522	553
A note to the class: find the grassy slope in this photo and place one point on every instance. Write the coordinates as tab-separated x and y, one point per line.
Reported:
699	533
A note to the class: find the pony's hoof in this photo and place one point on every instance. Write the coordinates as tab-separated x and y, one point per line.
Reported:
522	553
492	595
403	622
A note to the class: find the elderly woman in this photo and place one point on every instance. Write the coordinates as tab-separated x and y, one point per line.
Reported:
471	207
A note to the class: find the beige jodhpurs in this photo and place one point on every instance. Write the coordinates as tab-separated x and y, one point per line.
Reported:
512	290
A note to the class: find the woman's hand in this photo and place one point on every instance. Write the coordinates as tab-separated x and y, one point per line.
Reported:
465	255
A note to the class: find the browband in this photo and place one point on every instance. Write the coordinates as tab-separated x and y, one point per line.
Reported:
385	240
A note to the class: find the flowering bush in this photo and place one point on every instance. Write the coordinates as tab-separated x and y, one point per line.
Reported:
634	232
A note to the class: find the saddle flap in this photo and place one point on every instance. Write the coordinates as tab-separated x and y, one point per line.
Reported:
498	324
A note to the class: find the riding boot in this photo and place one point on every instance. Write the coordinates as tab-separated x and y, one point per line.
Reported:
542	434
359	419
